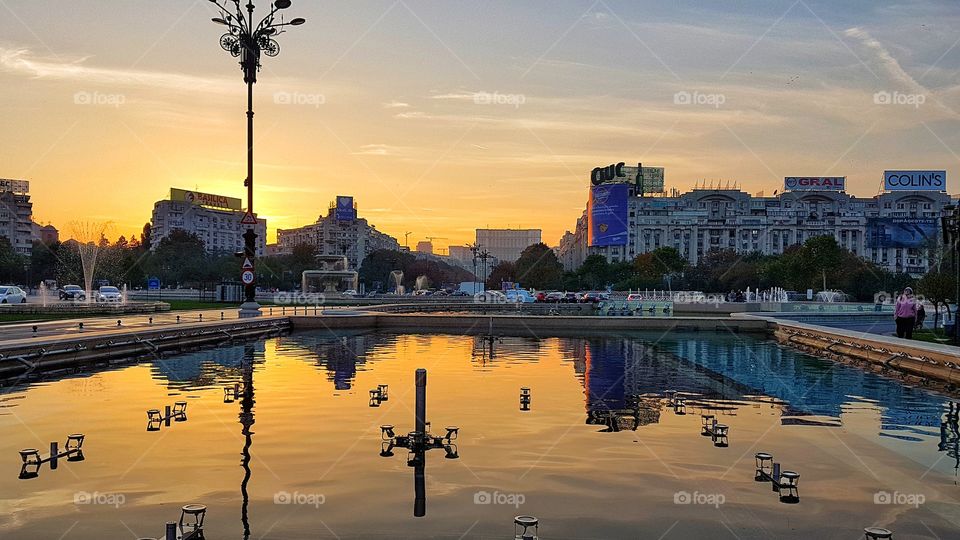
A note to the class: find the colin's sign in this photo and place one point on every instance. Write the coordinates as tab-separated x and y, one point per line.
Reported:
205	199
915	180
602	175
16	186
815	183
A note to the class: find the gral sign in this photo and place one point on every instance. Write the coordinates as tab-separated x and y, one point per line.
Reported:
915	180
345	209
608	215
16	186
892	232
205	199
815	183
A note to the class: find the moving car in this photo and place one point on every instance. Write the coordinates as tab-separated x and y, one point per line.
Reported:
72	292
11	294
109	294
350	292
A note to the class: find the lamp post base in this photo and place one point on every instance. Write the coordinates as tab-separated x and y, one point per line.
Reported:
249	309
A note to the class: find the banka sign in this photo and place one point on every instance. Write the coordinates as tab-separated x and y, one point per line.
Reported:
601	175
815	183
915	180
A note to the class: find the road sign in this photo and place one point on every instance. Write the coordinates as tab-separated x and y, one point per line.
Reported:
153	284
247	265
247	277
248	219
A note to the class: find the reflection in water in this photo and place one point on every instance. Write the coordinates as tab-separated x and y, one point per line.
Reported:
247	421
617	382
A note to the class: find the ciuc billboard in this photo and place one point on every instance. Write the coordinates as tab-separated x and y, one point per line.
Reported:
915	180
345	210
608	215
815	183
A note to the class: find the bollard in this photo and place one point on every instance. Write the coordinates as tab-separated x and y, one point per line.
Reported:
34	329
178	318
420	414
80	326
221	315
150	320
201	317
118	322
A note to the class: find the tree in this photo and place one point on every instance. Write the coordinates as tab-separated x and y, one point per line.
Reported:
939	286
538	267
11	263
503	271
180	259
145	239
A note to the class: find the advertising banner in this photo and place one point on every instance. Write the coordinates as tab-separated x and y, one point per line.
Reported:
345	209
608	215
815	183
16	186
205	199
901	232
915	180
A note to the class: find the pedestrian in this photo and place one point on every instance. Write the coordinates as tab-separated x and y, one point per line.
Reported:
905	314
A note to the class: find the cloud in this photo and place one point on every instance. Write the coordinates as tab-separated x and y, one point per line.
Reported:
22	61
377	150
395	105
892	68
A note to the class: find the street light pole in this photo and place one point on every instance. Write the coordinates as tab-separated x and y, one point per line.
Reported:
246	41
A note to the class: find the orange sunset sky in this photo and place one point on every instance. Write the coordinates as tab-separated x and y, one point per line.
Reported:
105	108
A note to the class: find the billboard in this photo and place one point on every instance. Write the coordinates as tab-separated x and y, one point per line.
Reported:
890	232
915	180
815	183
647	179
16	186
608	215
205	199
345	210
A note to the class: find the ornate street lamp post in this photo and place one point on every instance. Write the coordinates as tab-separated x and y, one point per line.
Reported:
246	41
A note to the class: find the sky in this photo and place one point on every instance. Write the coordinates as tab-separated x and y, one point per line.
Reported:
441	117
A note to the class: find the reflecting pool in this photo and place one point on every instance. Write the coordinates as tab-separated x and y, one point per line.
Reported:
611	446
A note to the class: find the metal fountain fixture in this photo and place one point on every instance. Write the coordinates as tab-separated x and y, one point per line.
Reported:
378	395
781	481
418	442
32	461
155	419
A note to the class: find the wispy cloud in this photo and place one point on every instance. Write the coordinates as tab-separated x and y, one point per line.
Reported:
395	105
377	150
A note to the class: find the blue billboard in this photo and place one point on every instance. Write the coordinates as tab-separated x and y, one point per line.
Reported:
915	180
608	215
901	232
345	209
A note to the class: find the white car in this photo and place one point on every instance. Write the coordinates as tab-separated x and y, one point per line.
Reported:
109	294
519	296
11	294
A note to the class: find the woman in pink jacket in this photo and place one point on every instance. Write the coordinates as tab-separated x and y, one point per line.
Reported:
905	314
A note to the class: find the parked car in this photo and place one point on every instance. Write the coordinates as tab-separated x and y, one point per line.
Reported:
11	294
459	293
519	296
635	297
591	298
72	292
490	297
109	294
349	292
570	298
554	297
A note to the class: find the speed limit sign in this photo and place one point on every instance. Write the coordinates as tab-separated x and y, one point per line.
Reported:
247	277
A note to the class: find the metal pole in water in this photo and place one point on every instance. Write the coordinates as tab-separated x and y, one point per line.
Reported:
421	410
54	454
171	533
166	415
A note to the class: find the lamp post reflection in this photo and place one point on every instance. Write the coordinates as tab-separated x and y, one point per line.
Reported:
246	420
